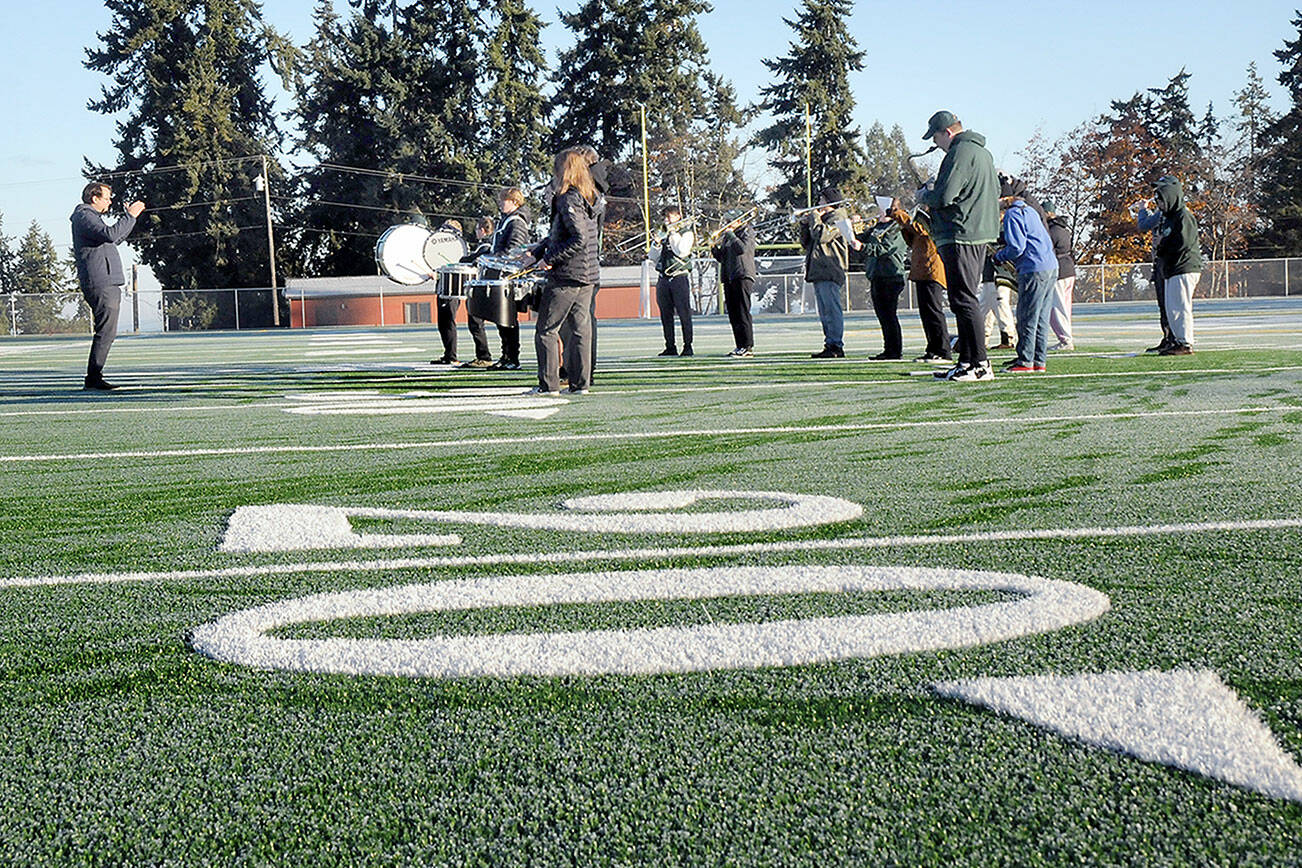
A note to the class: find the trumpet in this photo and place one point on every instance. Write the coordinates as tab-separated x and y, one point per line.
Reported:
733	224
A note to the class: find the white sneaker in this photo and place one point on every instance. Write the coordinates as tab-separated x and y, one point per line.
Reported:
951	372
540	392
1062	347
974	373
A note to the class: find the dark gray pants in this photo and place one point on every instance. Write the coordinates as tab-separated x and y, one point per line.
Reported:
570	306
104	302
736	297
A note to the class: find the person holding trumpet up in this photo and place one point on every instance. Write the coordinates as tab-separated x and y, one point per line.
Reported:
734	247
674	286
825	235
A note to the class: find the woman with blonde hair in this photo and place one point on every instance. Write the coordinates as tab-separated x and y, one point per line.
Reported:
569	254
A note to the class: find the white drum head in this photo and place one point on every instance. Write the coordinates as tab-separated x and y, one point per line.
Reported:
400	254
443	248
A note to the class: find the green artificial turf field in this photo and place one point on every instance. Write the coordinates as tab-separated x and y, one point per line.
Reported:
407	648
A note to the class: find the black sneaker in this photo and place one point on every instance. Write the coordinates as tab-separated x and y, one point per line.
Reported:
444	360
974	374
882	357
98	384
828	352
1176	349
669	351
687	350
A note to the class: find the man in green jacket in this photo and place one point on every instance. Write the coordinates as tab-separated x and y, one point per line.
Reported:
1182	263
964	205
886	261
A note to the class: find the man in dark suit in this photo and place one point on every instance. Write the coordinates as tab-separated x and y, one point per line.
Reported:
99	270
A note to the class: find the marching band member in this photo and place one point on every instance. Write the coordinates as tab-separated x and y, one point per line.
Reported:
510	234
928	275
1060	316
600	169
885	262
674	286
569	254
735	251
447	307
827	253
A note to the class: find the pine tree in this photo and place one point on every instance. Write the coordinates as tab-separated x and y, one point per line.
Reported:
6	260
514	145
185	73
1255	115
815	74
1173	121
629	54
886	163
38	272
1281	176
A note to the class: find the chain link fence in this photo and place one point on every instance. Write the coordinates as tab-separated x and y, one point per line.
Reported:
780	289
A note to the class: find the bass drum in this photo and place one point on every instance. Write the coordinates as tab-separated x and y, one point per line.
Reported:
400	254
444	248
410	254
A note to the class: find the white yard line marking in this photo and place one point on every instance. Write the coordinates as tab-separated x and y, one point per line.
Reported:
626	436
644	554
1043	605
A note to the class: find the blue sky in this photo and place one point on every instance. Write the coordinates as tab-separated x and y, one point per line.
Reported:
1006	69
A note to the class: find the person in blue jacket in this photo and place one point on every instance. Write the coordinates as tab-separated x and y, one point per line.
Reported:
99	270
1026	243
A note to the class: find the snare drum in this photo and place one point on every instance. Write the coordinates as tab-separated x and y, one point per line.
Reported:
492	300
454	280
409	254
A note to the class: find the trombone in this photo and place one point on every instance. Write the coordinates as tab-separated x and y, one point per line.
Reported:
798	214
735	223
630	243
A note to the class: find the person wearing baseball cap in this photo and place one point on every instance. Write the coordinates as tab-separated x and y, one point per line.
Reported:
964	206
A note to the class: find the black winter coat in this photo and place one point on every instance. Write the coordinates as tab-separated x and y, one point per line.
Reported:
571	246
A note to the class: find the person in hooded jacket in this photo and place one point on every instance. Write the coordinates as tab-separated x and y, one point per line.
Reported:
1149	219
569	256
825	237
1179	250
964	207
886	256
1060	314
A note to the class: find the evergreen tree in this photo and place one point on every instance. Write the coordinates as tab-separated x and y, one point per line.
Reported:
6	259
514	143
629	54
1173	121
185	72
886	164
1255	115
39	272
815	74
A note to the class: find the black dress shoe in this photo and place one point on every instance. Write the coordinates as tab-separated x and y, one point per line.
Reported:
687	350
669	351
99	384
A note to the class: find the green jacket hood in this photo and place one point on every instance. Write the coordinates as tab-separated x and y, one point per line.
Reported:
1169	194
970	136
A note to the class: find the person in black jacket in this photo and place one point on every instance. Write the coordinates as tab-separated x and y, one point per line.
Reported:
99	270
1060	314
735	250
512	233
569	254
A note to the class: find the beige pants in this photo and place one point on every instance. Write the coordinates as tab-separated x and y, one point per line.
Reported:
995	310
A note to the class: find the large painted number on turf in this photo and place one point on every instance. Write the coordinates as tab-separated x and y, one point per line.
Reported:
292	527
1042	605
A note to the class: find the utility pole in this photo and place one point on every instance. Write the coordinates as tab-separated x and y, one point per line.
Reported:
264	183
135	297
809	160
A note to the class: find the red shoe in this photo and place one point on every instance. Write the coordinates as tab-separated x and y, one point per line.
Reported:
1040	369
